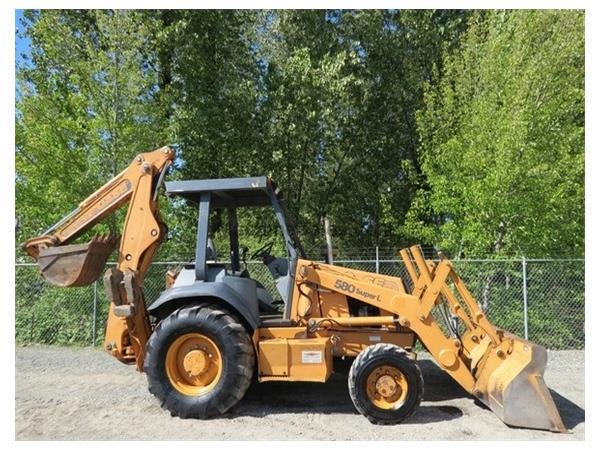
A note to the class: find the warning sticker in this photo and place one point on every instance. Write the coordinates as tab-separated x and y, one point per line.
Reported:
312	357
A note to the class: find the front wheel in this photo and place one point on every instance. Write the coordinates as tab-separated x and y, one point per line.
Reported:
199	362
385	385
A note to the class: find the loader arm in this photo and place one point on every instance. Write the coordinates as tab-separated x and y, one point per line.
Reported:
408	310
127	328
501	370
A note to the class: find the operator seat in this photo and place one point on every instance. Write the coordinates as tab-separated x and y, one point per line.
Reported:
211	251
265	300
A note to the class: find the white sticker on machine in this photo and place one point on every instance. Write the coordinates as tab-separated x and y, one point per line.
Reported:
375	338
312	357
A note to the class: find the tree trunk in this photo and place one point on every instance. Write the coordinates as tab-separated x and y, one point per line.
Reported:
490	277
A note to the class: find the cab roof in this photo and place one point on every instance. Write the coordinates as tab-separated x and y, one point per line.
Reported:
226	192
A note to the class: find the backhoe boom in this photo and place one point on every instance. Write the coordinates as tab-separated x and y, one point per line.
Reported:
127	328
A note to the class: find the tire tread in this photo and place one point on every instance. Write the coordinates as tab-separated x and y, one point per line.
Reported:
382	351
238	380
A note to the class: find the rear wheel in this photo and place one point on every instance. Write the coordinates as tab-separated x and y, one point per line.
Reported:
199	362
385	385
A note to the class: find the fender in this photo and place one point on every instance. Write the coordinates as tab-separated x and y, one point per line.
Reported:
175	296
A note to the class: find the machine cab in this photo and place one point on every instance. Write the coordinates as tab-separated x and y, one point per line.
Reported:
208	273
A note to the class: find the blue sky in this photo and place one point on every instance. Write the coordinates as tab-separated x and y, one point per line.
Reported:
21	43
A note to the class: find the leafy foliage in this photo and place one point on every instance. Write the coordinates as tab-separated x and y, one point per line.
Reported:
455	128
459	129
85	108
502	139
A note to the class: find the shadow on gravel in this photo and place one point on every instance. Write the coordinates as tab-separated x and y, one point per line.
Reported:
572	414
431	414
264	399
439	386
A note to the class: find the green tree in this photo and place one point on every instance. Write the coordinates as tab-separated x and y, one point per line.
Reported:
342	91
85	106
398	50
308	113
502	139
212	75
326	102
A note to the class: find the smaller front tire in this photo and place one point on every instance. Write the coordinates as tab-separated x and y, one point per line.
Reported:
386	386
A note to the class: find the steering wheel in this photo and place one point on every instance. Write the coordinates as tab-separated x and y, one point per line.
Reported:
264	250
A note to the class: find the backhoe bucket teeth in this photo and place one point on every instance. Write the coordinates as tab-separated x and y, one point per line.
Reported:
76	265
511	383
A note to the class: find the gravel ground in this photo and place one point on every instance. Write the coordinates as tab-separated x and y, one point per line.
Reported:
83	394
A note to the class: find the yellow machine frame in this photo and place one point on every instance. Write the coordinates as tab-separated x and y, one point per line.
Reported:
500	369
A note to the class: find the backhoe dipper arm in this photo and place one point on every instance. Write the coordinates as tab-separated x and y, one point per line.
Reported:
127	328
103	202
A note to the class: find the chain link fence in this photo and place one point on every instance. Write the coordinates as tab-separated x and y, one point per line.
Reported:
541	300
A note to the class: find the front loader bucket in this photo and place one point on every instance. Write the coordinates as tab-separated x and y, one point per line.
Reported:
502	370
76	265
511	384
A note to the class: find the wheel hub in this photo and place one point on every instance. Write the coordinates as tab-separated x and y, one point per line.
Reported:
386	386
193	364
196	362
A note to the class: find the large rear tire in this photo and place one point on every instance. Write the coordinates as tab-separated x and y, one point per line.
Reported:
386	386
199	362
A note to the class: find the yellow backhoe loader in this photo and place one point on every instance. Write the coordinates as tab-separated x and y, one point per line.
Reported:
214	327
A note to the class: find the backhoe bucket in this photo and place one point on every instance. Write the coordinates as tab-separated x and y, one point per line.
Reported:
510	382
76	265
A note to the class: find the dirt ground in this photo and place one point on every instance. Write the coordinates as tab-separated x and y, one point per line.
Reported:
83	394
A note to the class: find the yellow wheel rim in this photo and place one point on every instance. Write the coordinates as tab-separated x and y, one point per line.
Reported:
194	364
387	387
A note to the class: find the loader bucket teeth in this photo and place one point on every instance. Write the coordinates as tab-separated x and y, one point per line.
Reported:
76	265
513	387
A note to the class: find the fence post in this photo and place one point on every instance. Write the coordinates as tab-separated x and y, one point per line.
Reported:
377	259
94	313
524	266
